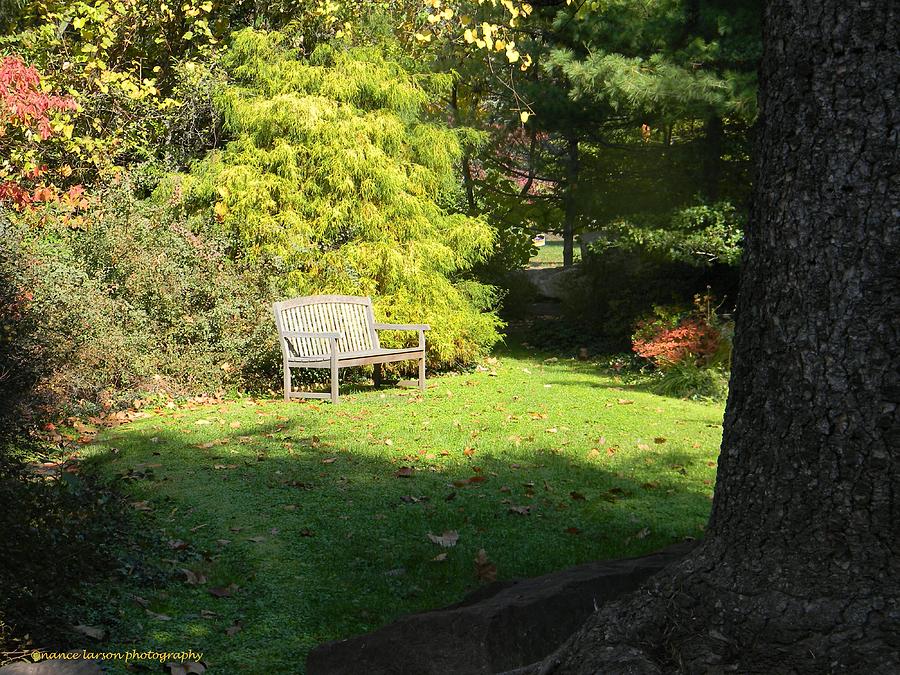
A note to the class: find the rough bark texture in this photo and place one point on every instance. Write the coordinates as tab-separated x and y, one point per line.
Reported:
800	570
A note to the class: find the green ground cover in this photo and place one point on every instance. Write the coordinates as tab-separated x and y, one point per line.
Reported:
551	254
311	521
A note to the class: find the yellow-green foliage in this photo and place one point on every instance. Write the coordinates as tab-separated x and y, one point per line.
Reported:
336	175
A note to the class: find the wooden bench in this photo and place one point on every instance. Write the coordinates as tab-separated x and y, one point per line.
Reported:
337	331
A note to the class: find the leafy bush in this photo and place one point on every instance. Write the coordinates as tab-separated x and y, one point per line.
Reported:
618	287
687	380
698	235
690	349
135	302
337	179
673	336
26	354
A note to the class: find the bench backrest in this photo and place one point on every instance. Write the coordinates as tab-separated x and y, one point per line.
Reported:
349	315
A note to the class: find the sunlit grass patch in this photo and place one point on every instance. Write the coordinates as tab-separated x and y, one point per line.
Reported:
310	522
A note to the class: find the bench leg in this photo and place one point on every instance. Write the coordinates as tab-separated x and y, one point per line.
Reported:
377	375
422	374
287	383
334	380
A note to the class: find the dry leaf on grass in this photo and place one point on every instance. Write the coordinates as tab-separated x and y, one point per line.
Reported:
224	591
447	539
485	570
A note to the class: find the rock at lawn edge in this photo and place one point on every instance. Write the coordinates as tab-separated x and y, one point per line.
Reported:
500	627
52	667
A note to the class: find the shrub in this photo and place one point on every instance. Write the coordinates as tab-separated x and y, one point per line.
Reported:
135	302
26	355
672	336
688	380
691	349
690	341
338	176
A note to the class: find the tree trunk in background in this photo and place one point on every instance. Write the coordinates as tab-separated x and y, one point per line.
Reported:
800	569
571	207
712	157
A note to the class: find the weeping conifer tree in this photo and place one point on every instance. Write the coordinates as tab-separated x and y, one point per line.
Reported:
336	175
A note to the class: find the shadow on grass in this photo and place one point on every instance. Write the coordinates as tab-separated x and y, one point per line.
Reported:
324	534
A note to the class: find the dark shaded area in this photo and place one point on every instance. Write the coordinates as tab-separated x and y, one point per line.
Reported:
504	626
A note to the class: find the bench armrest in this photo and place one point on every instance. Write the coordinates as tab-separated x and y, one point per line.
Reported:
402	326
304	334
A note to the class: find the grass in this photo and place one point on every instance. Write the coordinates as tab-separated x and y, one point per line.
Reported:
297	510
551	254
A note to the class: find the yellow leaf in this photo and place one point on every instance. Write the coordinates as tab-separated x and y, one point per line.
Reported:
512	55
524	115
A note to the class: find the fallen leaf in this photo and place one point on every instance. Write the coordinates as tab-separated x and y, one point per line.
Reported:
576	496
625	401
257	540
329	460
141	506
650	485
202	422
178	544
659	440
290	507
468	452
234	629
235	425
485	570
207	614
404	472
520	510
224	591
306	532
505	488
95	632
448	539
193	578
157	616
573	530
440	557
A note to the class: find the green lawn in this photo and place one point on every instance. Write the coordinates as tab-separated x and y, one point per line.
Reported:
304	514
551	254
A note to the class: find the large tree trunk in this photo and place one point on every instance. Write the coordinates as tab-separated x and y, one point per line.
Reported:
800	570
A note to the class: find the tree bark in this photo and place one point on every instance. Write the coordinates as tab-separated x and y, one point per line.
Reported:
571	207
800	569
